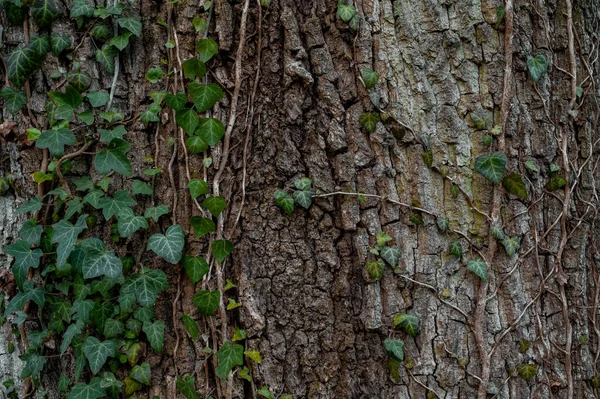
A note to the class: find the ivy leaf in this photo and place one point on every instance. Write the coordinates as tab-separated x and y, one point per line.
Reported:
497	231
391	255
442	224
370	78
455	249
129	223
369	121
345	12
74	206
207	301
197	188
69	334
169	245
86	117
220	249
537	66
187	387
303	184
21	64
229	355
195	266
97	352
176	101
193	68
215	205
99	261
44	12
206	49
81	8
122	41
143	314
25	258
14	13
113	327
191	326
491	166
106	136
101	312
531	165
375	269
511	244
142	373
479	267
13	99
131	24
79	81
187	119
28	293
106	57
556	183
151	114
513	183
156	213
211	130
428	158
408	322
59	43
394	348
93	390
155	332
65	234
204	96
254	355
34	364
146	285
303	198
55	141
154	74
113	206
284	201
98	98
202	226
114	158
31	232
138	187
527	371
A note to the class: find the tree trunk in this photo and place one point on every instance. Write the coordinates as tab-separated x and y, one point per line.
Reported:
449	74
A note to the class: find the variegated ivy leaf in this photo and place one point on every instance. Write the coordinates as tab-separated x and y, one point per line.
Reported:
382	238
442	224
22	63
303	198
146	284
97	352
511	244
129	223
99	261
156	213
169	245
497	231
479	267
391	255
155	333
93	390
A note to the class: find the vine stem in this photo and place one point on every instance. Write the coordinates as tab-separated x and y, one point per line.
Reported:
116	74
416	208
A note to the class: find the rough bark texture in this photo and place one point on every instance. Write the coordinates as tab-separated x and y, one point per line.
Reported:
308	304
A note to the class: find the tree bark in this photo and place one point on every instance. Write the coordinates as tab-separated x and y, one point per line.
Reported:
308	305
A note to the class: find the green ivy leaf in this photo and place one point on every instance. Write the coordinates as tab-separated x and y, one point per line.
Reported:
34	364
139	187
97	352
110	383
491	166
197	188
556	183
31	232
93	390
129	223
79	81
142	373
55	141
122	41
106	57
190	326
345	12
14	100
206	49
176	101
284	201
369	121
146	284
537	66
202	226
131	24
21	64
154	74
375	269
169	245
59	43
527	371
156	213
155	332
81	8
215	205
303	198
211	130
151	114
99	261
44	12
394	348
113	328
479	267
65	234
14	13
513	183
303	184
229	355
144	314
370	78
106	136
479	119
456	249
408	322
195	266
188	119
391	255
497	231
204	96
193	68
207	301
382	238
442	224
531	165
511	244
112	206
187	387
69	334
25	258
28	293
220	249
86	117
114	158
98	98
428	158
